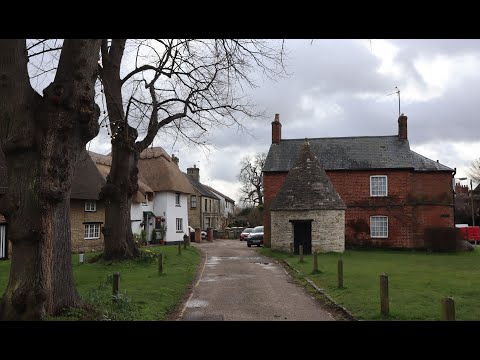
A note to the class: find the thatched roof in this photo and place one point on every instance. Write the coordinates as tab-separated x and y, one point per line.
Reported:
307	186
87	179
161	173
104	163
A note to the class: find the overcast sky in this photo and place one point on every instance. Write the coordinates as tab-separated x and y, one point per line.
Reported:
340	88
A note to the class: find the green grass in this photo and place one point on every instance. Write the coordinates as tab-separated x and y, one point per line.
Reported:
417	281
145	295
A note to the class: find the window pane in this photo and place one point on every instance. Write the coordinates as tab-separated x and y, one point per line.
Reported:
379	226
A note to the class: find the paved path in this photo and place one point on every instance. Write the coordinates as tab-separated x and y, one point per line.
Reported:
236	283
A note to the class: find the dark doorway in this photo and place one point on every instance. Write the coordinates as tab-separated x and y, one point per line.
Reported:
302	235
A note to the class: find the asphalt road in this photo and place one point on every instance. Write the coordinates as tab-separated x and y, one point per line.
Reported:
236	283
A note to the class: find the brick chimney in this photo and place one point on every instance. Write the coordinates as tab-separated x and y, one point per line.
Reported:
402	127
276	130
194	173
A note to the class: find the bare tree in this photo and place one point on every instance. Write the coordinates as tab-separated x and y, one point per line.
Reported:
251	178
474	170
41	137
184	87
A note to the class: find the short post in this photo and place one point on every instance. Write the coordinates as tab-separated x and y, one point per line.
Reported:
160	263
179	250
300	251
340	273
448	309
81	259
315	262
115	285
384	301
185	241
291	248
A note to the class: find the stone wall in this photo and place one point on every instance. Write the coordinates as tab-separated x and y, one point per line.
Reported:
328	229
78	216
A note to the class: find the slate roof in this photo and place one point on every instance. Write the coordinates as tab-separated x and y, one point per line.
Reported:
307	186
352	153
219	193
202	189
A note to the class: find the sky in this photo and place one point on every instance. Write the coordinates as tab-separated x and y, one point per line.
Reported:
341	87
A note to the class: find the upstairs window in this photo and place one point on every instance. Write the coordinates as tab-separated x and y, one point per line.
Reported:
90	205
177	199
193	201
378	185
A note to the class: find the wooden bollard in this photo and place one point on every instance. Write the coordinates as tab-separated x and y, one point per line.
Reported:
115	285
448	309
340	273
315	262
179	250
185	241
384	301
160	263
300	251
291	248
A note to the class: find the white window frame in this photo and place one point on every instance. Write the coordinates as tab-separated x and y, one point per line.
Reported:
89	207
386	185
377	217
91	231
193	197
177	199
179	224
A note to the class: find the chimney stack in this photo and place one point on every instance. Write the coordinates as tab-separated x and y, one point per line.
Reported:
402	127
175	159
194	173
276	130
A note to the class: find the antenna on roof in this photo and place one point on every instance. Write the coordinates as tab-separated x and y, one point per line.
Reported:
397	92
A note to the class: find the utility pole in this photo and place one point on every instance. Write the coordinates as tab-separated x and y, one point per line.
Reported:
471	198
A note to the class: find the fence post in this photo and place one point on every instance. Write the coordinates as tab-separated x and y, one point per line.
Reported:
185	241
179	249
340	272
160	263
300	251
448	309
291	248
115	285
315	262
384	301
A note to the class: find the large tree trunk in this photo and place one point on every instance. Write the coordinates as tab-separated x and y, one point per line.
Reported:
122	182
42	138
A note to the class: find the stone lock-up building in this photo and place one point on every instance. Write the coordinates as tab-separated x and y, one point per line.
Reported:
308	210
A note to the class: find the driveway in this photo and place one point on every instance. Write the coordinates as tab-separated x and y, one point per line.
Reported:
236	283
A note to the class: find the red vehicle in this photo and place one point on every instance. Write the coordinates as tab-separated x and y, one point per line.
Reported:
471	233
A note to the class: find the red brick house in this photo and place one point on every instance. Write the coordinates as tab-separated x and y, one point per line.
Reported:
393	194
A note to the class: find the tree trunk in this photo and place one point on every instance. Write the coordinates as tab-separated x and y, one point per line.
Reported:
42	138
122	182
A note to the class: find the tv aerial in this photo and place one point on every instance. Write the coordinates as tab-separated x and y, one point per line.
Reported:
397	92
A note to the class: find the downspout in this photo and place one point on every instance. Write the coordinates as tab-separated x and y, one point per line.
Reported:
453	191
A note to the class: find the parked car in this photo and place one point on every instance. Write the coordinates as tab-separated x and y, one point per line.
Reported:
244	234
255	237
192	230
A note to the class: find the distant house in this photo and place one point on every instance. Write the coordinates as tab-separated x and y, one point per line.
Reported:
227	208
204	204
393	194
169	203
87	211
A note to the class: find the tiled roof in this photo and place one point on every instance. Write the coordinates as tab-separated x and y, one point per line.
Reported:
352	153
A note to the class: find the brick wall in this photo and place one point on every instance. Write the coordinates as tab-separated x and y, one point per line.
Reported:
328	229
78	216
415	202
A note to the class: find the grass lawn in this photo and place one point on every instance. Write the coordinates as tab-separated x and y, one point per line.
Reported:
145	295
417	281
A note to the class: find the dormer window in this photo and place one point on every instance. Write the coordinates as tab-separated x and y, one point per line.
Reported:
145	202
90	205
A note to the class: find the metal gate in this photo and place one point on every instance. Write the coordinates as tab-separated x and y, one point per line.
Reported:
3	242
